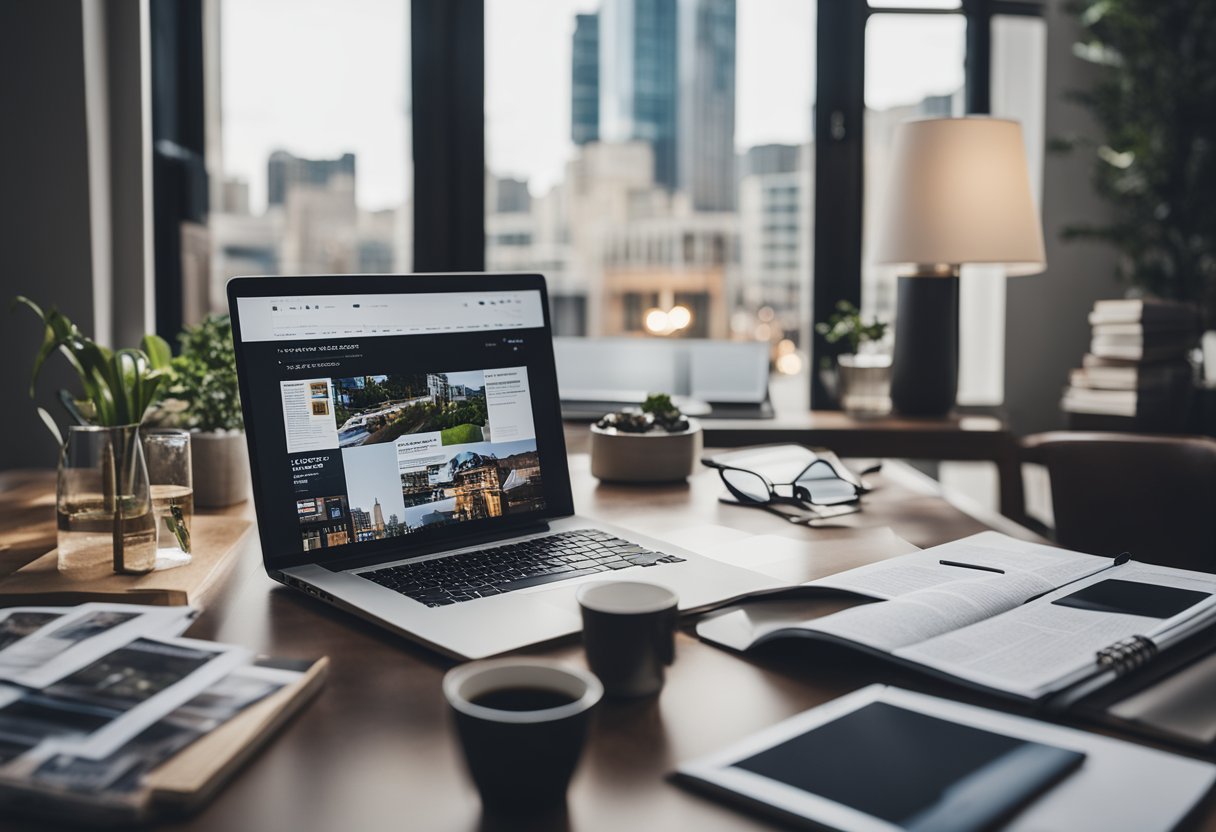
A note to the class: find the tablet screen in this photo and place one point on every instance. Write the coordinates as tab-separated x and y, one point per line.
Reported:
902	766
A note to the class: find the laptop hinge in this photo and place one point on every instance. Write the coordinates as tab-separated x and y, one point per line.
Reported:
473	540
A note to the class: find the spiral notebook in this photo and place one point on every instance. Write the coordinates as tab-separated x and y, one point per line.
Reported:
1020	619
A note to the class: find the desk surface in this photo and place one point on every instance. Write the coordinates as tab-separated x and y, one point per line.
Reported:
375	750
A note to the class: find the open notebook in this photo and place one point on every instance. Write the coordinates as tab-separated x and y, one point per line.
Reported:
1017	618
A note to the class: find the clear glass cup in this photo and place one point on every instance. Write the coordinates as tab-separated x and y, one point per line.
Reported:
172	487
865	385
103	502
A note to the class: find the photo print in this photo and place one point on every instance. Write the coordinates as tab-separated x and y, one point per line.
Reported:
475	482
377	409
373	492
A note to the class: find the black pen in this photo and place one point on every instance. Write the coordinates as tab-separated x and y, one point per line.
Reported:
971	566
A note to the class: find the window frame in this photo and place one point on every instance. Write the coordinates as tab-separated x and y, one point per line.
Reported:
447	76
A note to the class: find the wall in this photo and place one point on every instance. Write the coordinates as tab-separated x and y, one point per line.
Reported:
1046	328
44	206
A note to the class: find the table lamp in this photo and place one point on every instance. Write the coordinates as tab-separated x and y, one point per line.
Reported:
959	194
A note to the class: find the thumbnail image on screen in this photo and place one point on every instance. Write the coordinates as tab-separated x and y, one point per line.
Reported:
382	456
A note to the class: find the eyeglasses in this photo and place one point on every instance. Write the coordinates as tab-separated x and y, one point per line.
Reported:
819	484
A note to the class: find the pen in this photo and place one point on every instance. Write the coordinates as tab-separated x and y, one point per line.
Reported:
971	566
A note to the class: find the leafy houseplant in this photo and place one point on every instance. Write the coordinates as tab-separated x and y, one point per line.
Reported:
863	377
203	396
846	325
1156	105
655	443
119	386
103	499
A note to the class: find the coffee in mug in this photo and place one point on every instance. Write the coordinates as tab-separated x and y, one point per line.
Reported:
522	724
629	634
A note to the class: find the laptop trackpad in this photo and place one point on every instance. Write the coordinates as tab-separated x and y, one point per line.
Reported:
562	597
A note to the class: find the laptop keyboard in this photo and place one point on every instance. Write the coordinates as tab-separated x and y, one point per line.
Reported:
541	560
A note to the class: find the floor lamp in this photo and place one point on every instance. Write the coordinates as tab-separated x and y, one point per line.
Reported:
959	194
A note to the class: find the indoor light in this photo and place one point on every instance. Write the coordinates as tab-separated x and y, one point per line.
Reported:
656	322
959	193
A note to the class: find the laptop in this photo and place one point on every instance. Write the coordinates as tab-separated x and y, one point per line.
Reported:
409	463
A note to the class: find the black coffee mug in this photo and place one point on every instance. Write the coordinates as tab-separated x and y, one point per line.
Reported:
629	634
522	724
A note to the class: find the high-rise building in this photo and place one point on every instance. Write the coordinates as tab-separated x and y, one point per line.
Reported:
585	79
378	514
285	170
638	82
763	159
706	148
510	195
775	222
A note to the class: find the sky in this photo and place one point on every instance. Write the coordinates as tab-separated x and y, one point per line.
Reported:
324	77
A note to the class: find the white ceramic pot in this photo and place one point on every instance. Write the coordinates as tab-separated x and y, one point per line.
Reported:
221	468
657	456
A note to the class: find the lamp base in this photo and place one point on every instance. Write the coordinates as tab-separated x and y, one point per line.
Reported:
924	372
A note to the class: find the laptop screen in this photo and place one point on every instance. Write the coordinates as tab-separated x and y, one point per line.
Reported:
381	420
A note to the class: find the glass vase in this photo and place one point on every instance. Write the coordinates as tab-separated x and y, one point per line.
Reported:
865	385
104	503
167	453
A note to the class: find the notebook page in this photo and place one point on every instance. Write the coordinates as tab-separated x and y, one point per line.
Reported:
1043	646
923	570
923	615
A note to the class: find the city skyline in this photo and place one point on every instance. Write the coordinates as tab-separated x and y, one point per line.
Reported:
372	477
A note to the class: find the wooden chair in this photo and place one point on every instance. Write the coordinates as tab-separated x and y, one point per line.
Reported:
1152	496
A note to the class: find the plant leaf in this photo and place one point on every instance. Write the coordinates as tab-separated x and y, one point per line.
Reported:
49	421
159	353
69	404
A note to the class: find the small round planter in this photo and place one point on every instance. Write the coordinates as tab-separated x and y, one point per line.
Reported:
221	468
656	456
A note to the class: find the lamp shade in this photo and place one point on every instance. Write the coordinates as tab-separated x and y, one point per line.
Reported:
960	193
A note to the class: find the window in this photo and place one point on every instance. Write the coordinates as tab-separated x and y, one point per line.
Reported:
654	156
647	156
311	170
936	46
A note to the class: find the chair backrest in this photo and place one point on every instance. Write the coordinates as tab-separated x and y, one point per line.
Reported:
1152	496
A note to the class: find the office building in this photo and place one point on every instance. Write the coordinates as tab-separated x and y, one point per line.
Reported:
638	79
585	79
285	171
706	147
378	522
508	195
776	228
770	158
664	261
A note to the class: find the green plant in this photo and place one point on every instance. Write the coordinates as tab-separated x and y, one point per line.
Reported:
846	324
658	410
202	392
666	414
1155	102
119	386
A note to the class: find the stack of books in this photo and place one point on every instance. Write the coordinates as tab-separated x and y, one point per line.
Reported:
1137	375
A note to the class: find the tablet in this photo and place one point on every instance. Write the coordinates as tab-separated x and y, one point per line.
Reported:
877	761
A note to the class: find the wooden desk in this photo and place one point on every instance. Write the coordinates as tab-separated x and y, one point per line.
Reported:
955	438
376	750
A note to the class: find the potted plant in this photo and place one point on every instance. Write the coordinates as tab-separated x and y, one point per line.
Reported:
1154	102
864	371
103	501
202	395
655	443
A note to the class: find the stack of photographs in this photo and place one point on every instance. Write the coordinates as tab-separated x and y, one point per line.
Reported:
94	697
